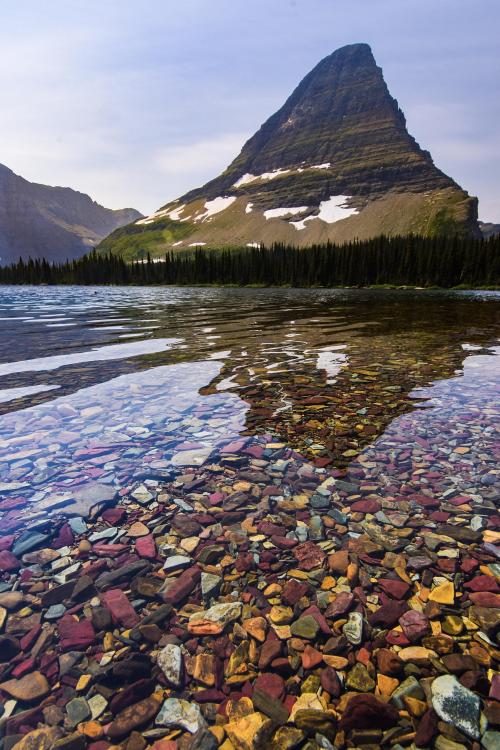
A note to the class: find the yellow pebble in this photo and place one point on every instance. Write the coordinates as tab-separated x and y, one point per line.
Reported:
294	573
443	594
272	590
386	685
218	733
281	615
415	707
25	612
436	627
83	681
328	583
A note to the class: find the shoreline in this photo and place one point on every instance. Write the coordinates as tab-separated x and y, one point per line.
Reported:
388	287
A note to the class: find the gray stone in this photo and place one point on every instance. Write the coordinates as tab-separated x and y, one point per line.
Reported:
195	457
97	705
456	705
320	501
93	495
316	528
210	584
77	525
353	629
342	486
176	561
338	516
55	612
176	712
409	687
491	740
29	540
220	615
170	662
78	710
108	533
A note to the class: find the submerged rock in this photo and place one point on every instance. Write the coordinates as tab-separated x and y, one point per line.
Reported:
170	662
180	713
456	705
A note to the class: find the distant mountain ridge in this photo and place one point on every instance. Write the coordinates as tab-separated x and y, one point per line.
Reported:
488	229
335	162
56	223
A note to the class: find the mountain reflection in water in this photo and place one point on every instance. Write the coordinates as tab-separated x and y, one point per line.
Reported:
340	376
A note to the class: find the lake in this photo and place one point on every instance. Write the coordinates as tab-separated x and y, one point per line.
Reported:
120	385
274	509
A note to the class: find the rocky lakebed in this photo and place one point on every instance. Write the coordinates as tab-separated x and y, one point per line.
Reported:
272	526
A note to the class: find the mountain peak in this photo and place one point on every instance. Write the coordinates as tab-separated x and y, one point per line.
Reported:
358	50
335	162
343	115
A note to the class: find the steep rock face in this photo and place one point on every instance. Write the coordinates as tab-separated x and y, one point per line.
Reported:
341	115
52	222
334	163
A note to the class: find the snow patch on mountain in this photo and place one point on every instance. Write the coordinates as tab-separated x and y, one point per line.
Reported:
330	211
215	206
272	175
173	214
334	209
275	213
245	180
176	213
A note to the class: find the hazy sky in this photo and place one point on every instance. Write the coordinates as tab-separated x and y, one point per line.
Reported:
136	102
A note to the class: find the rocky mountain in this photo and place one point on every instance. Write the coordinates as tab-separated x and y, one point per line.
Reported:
52	222
488	229
336	162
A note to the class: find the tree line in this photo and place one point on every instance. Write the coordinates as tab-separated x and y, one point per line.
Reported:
413	260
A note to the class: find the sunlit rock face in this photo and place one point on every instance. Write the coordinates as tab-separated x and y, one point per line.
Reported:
334	163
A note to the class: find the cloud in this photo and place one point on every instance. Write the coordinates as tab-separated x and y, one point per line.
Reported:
210	155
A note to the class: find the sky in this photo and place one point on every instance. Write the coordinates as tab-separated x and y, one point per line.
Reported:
136	102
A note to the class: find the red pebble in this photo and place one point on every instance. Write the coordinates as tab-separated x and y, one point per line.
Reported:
23	668
75	635
366	506
483	583
395	638
271	684
113	515
145	547
121	610
469	564
485	599
311	657
363	656
6	541
28	640
8	562
395	588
